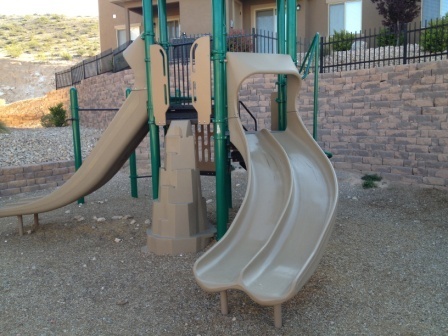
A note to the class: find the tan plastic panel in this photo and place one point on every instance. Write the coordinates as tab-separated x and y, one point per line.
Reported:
280	232
159	83
124	134
179	217
200	73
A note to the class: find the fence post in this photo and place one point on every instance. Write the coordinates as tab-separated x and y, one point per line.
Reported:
321	65
405	44
74	108
254	40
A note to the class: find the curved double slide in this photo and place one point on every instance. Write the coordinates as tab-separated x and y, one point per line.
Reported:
123	135
279	234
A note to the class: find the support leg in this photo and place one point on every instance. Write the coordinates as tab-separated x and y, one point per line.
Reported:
36	221
224	303
20	224
278	316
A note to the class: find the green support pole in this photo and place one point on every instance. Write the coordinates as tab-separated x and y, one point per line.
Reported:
220	124
163	29
133	165
74	108
291	33
281	49
153	129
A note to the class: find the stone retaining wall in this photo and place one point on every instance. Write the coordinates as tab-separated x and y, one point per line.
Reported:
387	120
16	180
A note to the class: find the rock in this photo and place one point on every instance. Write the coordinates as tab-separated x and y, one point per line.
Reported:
128	216
101	219
117	217
358	45
118	240
133	222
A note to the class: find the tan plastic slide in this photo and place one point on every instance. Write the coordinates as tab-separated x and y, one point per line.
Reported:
124	134
279	234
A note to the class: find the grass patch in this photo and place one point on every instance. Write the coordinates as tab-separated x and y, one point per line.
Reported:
370	180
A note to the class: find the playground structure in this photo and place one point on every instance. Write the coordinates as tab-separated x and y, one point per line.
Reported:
279	234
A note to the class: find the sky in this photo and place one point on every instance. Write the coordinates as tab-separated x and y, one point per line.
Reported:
66	7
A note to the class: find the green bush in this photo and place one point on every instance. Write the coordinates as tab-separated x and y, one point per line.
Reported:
370	180
435	37
3	128
387	37
342	40
56	118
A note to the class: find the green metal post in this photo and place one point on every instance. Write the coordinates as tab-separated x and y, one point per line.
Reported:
74	108
291	33
281	49
133	165
316	85
153	129
220	124
163	29
163	26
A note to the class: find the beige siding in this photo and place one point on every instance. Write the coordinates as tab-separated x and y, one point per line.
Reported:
195	16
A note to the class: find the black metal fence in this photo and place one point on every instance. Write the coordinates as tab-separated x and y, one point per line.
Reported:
107	61
414	43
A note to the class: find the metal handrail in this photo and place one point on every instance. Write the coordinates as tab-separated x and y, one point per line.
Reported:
250	113
308	60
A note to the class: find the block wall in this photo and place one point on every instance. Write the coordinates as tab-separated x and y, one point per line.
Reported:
16	180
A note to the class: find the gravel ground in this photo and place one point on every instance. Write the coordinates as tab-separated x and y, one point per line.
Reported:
26	146
384	271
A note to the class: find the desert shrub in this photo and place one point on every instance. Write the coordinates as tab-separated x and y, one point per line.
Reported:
342	40
56	118
65	56
370	180
238	41
42	57
435	37
387	37
3	128
14	50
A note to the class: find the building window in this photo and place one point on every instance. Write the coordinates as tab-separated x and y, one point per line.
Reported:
121	34
173	29
345	16
433	9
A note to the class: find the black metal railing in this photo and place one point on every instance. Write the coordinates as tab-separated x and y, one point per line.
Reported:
413	43
107	61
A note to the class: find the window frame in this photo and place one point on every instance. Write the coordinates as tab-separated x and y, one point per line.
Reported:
339	2
123	27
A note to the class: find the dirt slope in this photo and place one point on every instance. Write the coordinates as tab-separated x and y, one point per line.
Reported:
22	79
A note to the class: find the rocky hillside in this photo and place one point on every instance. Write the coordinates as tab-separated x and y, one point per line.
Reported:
34	47
48	37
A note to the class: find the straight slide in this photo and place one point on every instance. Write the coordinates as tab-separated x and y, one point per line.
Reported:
279	234
123	135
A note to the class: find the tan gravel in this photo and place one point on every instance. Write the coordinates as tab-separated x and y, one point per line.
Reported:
384	271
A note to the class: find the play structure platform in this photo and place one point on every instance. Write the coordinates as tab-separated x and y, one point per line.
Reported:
280	232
